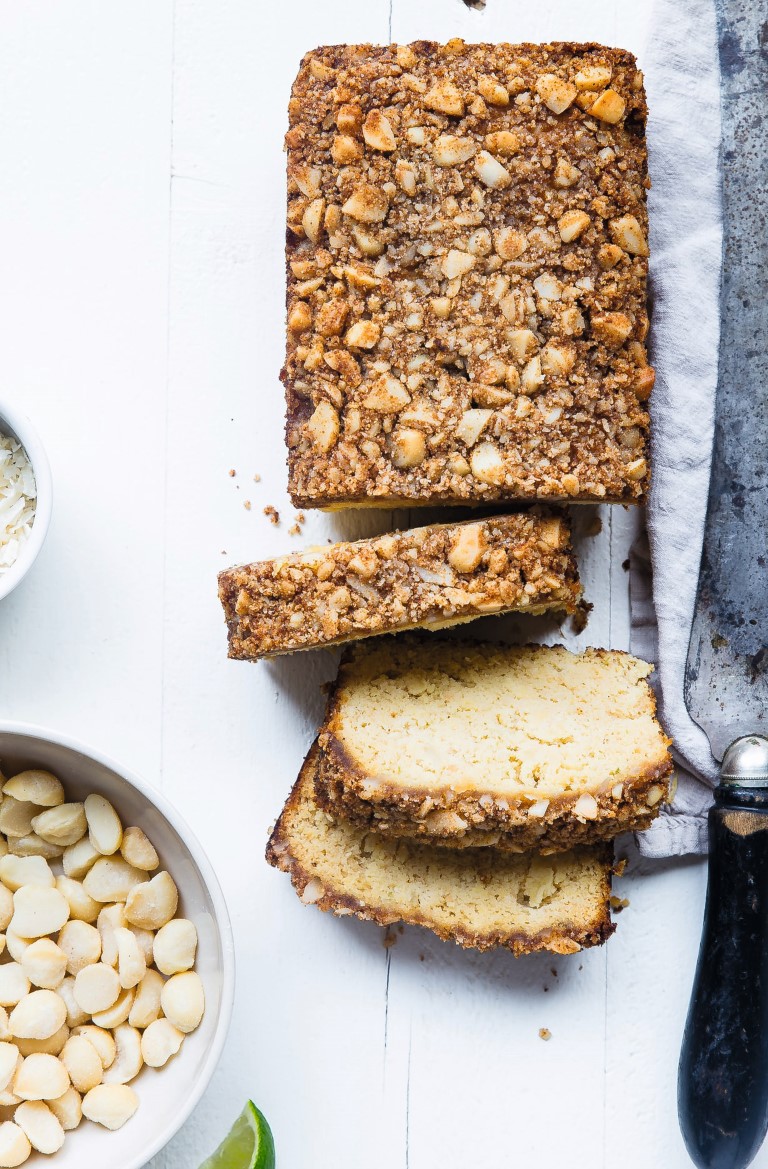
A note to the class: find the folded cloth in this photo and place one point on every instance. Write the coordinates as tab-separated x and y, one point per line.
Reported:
682	79
681	826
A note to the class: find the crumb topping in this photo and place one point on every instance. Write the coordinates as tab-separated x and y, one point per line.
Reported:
437	574
467	260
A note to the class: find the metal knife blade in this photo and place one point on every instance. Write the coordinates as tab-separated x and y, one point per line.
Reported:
726	678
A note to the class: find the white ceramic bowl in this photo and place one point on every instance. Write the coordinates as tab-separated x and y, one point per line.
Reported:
167	1095
17	425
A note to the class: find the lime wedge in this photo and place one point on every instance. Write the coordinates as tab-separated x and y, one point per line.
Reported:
247	1145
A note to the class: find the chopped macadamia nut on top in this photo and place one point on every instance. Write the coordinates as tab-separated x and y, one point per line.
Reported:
428	576
434	212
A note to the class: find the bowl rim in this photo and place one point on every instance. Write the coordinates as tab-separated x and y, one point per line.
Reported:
22	429
221	914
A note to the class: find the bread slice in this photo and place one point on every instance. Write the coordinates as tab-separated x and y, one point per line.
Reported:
430	577
477	897
471	743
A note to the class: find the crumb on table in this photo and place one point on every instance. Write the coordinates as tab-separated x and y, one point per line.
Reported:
295	529
273	513
580	616
545	1033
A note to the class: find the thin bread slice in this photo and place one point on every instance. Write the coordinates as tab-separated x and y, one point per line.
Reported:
430	577
478	898
518	747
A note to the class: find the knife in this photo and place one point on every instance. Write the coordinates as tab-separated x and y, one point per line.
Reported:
723	1073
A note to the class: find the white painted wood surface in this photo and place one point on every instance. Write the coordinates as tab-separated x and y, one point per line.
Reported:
141	234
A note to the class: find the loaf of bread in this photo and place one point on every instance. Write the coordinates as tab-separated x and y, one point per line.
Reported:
477	897
467	262
432	576
470	743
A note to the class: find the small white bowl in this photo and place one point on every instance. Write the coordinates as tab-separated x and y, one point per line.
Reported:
18	426
167	1095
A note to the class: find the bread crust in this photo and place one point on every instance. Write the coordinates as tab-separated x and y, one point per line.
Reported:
391	359
393	811
564	939
475	819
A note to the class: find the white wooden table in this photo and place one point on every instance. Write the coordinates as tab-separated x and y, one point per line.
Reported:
141	326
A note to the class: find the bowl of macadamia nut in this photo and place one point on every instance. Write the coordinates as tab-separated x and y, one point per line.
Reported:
116	959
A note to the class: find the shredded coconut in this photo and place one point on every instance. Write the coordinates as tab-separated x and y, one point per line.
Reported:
17	500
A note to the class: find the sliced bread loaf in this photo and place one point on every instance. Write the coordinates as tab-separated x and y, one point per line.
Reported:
479	898
470	743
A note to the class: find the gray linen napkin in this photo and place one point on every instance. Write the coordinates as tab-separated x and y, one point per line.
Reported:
682	79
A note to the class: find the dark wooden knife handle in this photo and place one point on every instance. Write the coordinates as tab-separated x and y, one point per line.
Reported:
723	1075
